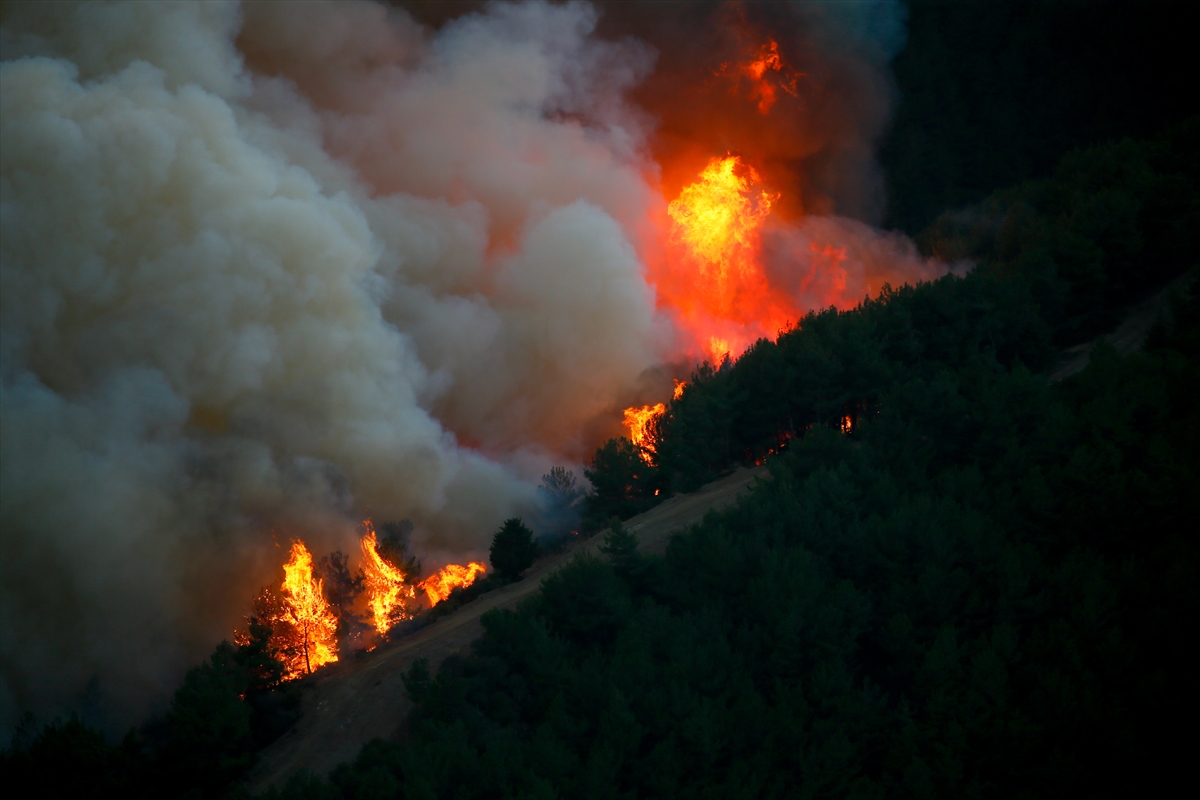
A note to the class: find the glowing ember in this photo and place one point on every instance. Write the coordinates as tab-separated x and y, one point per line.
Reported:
437	587
309	614
386	587
759	71
639	420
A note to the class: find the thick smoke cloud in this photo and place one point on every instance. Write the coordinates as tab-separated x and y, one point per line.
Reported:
218	327
269	269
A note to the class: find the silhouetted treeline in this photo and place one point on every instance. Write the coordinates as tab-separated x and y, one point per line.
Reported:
226	710
985	591
995	92
1055	260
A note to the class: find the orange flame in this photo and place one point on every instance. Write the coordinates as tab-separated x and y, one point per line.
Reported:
638	421
714	280
437	587
717	218
769	60
387	590
678	388
308	612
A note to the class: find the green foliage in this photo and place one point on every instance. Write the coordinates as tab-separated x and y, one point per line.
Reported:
1055	261
979	593
513	549
620	546
263	671
416	680
623	484
210	741
1113	221
66	759
225	710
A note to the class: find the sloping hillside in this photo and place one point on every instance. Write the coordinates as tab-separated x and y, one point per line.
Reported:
350	703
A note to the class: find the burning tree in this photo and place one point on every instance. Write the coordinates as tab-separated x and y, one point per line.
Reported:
624	481
388	588
390	572
308	612
302	628
643	427
438	586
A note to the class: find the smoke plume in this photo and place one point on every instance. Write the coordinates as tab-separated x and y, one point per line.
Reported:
269	269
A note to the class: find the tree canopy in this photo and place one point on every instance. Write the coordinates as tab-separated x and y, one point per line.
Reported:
513	549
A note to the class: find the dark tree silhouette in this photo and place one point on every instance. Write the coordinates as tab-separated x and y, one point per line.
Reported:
512	549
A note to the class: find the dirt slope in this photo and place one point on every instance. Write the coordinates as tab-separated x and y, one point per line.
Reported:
352	702
1130	335
349	703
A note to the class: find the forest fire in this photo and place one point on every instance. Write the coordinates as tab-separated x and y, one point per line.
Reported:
639	420
318	612
300	626
721	292
315	624
385	584
751	240
764	86
438	586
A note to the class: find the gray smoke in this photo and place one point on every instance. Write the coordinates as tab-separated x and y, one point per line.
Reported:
267	270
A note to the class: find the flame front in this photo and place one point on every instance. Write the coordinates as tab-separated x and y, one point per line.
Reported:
437	587
717	218
309	614
638	420
386	588
715	282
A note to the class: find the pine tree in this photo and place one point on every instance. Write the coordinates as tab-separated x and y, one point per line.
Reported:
512	549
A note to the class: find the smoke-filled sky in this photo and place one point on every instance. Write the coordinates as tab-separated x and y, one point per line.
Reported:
269	269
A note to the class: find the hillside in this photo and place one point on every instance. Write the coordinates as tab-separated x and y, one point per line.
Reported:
352	702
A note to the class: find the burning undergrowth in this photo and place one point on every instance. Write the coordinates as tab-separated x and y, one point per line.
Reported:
322	612
270	267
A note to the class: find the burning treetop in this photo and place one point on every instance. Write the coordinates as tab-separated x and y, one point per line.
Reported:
386	584
303	629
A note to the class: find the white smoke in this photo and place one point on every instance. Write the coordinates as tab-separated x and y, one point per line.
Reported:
822	261
268	269
241	307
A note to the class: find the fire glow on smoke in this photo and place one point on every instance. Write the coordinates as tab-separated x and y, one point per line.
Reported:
325	258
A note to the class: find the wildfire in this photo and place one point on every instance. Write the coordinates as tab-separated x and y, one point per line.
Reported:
386	587
437	587
717	218
638	420
714	280
678	388
304	628
758	70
